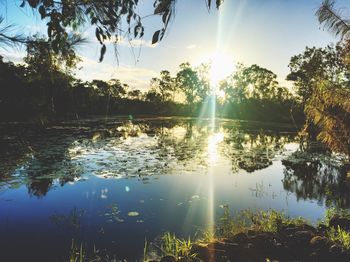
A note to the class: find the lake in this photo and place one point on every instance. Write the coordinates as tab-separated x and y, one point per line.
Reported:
114	183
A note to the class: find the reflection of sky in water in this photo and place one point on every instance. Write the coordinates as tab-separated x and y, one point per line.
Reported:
170	177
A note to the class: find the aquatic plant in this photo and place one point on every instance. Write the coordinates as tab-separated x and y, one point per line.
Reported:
264	221
172	246
339	236
77	254
335	212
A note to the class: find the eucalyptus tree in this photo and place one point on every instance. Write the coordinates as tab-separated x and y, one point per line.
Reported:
315	65
134	94
250	82
188	81
106	16
164	84
50	71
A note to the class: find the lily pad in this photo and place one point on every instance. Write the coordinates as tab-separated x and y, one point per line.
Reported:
133	214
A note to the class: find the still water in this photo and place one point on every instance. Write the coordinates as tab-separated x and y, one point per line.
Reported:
112	184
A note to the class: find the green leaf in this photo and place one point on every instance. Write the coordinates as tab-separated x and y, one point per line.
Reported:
103	51
42	11
155	37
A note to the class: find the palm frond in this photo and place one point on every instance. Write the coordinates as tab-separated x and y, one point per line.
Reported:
333	20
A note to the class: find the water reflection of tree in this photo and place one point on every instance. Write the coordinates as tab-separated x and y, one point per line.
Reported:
317	177
249	150
45	158
252	151
188	147
37	158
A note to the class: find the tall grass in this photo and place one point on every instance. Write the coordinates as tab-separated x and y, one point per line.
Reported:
172	246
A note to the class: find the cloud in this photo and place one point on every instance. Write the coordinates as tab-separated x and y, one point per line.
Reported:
122	41
14	55
135	77
191	46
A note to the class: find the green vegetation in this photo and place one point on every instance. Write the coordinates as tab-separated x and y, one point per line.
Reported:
50	91
259	221
339	236
77	254
170	245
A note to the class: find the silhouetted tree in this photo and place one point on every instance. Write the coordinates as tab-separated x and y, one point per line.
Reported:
164	85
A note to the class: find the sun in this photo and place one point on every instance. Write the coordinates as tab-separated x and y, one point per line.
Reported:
221	67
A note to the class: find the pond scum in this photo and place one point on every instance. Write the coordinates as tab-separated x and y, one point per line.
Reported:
248	236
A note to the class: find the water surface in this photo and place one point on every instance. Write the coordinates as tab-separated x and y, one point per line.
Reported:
115	183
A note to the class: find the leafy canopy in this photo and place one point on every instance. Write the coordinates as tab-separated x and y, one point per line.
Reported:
106	16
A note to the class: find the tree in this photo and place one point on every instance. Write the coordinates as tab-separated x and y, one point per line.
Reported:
250	82
164	85
204	89
333	19
153	96
135	94
51	71
188	81
314	65
106	16
323	83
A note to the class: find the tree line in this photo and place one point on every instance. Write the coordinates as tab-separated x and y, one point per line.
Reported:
45	87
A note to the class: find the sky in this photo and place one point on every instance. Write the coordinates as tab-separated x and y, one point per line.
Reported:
263	32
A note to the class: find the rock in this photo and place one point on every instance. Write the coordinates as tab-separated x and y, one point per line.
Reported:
217	245
263	241
168	259
309	228
335	249
320	243
289	230
239	238
300	239
185	259
342	222
251	232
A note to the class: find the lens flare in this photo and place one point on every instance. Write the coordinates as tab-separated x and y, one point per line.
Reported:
221	67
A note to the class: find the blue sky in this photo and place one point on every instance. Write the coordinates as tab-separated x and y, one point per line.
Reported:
263	32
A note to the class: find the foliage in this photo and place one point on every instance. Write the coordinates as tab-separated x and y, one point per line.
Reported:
164	85
188	81
339	236
314	65
329	110
332	19
335	212
50	90
77	254
7	38
261	221
107	17
173	246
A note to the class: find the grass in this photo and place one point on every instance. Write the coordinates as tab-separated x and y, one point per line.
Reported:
77	254
263	221
333	212
339	236
179	248
228	226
